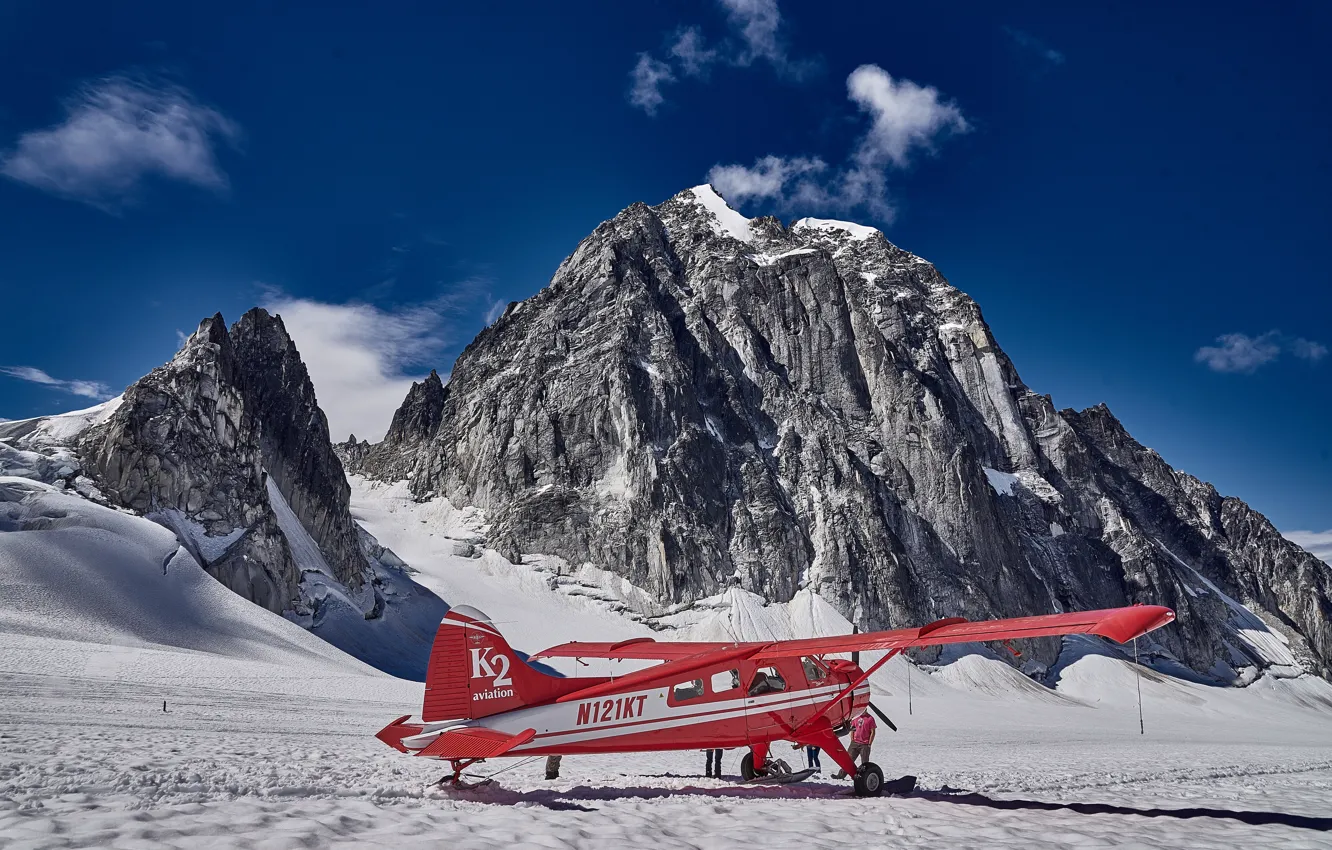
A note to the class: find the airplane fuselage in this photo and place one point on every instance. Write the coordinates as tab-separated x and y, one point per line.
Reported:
725	706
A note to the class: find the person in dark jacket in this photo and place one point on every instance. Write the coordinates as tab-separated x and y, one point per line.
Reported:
714	763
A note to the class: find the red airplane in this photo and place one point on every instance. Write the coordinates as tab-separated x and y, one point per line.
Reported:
483	701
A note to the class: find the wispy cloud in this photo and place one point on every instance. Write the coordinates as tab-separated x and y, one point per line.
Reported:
87	389
759	24
646	80
691	51
117	132
754	34
1034	45
363	358
1307	349
1316	543
496	310
1244	354
905	118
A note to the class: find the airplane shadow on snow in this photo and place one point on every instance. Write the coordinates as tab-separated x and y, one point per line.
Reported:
568	800
1253	818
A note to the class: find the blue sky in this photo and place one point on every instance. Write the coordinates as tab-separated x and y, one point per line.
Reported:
1137	196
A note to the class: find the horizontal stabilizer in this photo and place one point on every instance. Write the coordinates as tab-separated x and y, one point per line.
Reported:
475	743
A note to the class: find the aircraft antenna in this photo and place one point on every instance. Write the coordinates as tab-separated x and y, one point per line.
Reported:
1138	669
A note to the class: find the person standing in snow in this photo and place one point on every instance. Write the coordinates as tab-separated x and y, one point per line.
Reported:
553	767
862	738
811	756
714	763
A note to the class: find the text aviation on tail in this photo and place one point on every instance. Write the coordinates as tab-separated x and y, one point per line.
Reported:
484	701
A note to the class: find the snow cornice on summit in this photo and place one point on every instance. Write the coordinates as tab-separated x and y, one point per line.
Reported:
728	222
828	225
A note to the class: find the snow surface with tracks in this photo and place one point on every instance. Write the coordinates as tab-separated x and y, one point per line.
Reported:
267	740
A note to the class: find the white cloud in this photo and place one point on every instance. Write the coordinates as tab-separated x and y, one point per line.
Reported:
87	389
362	359
118	131
694	56
1244	354
1316	543
904	118
769	177
756	35
1307	349
757	22
646	79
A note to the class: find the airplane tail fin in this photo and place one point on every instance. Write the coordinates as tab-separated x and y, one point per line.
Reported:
474	673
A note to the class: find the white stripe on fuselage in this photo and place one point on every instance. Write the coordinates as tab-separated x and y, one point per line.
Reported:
556	723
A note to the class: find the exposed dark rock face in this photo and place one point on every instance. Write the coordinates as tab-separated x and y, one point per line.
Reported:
352	452
293	437
194	440
699	400
414	424
226	445
185	447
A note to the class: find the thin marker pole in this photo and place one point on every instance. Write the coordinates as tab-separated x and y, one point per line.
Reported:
908	664
1142	730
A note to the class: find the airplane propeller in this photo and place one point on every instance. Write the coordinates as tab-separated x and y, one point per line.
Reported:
883	717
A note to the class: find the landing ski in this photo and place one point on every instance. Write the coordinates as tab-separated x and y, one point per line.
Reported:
448	783
783	778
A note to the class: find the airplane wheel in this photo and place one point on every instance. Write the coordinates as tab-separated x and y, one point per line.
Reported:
869	781
747	771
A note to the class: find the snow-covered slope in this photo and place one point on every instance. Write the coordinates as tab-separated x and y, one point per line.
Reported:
545	601
101	594
208	467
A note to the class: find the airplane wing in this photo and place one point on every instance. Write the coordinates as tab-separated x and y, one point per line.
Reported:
642	648
1119	624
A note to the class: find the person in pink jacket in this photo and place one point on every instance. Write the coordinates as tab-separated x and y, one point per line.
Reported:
863	728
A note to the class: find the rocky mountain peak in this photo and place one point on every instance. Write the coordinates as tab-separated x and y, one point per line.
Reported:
205	443
418	417
294	438
700	400
414	424
184	448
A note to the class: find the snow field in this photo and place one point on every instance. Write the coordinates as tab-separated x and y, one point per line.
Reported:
268	737
98	765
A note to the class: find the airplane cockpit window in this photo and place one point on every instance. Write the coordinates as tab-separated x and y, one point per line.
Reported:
687	690
766	681
726	680
814	671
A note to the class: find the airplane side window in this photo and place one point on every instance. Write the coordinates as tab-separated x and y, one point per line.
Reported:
813	670
766	681
726	680
686	691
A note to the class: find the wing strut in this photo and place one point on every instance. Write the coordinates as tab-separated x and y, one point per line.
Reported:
849	688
